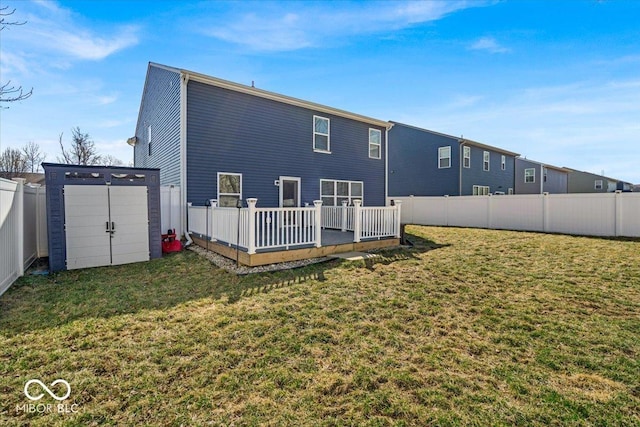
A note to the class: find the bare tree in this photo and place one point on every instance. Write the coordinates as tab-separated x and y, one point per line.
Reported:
82	152
12	164
33	156
9	92
110	160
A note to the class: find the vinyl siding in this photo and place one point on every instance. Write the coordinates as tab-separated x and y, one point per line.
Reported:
556	181
522	187
584	182
263	139
160	109
413	163
495	178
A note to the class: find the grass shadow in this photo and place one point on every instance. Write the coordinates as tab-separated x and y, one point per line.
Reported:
38	302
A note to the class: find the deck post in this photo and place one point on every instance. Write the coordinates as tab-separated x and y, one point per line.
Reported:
344	216
214	205
398	205
252	225
318	222
357	220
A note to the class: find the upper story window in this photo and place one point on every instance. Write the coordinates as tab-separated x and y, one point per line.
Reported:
321	140
229	189
149	139
503	162
466	156
486	158
529	175
598	185
375	143
444	157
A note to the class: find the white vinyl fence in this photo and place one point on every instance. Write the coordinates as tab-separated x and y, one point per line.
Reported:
170	209
23	229
597	214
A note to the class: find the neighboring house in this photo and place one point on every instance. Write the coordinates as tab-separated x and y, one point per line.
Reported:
625	186
427	163
536	178
216	139
587	182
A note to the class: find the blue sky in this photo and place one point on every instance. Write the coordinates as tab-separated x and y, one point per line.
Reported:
558	82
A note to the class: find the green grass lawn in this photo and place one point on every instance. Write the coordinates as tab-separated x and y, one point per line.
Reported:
469	327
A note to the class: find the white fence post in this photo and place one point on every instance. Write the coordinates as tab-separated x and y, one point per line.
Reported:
618	214
344	215
490	211
212	227
357	220
545	212
318	222
446	210
20	217
398	205
252	225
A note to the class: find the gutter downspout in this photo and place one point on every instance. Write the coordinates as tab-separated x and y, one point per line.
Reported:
184	79
386	164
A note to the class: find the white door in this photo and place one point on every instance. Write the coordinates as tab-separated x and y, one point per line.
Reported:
86	210
129	216
289	192
105	225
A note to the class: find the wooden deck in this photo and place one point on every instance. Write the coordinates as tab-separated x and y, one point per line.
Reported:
333	242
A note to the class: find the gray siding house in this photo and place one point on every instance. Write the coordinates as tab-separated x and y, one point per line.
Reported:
536	178
216	139
587	182
428	163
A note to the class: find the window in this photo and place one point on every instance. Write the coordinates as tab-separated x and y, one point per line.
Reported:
529	175
333	192
480	190
321	134
503	163
229	189
598	184
466	157
444	157
149	139
375	143
544	174
510	190
486	157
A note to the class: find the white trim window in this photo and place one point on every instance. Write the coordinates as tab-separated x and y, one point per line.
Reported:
480	190
375	143
486	160
321	134
149	140
466	157
598	184
229	189
333	192
510	191
544	174
444	157
529	175
503	162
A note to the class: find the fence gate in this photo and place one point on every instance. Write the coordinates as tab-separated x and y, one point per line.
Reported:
105	225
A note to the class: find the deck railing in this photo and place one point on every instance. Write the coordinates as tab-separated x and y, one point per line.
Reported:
253	228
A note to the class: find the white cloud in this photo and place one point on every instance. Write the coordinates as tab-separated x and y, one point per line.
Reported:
266	29
489	44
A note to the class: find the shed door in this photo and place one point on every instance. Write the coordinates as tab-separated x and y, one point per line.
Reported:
86	210
129	214
105	225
